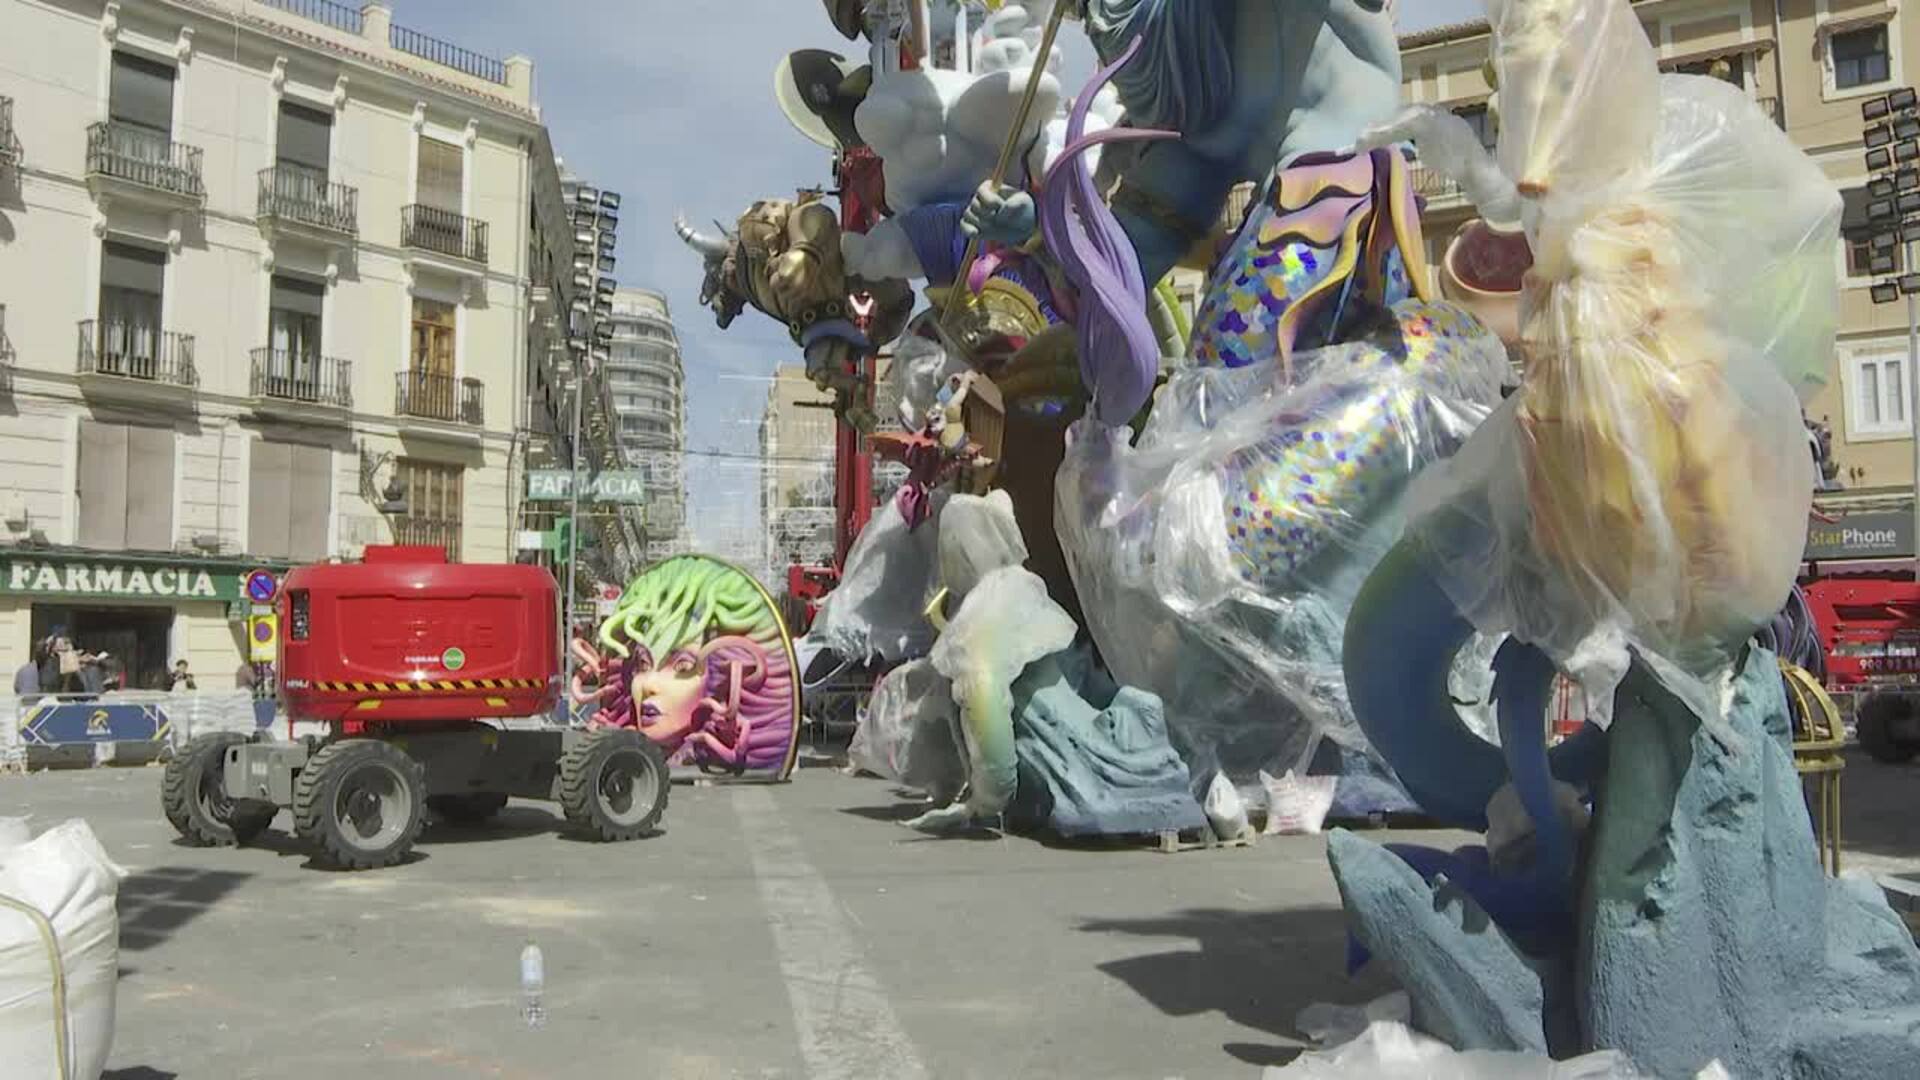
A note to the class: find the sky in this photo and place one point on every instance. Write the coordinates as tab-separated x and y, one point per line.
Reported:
670	103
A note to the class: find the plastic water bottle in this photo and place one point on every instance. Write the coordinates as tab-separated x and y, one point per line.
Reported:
533	986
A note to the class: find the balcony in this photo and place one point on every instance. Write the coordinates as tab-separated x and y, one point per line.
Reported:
430	532
9	144
465	61
301	385
1436	189
137	361
297	199
325	12
422	395
139	163
443	232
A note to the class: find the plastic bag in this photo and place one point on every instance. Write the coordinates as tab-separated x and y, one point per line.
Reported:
907	734
57	916
878	610
14	831
1375	1042
1648	484
1297	805
1226	810
1216	561
1471	685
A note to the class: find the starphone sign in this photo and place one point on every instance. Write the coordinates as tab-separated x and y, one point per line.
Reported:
1878	535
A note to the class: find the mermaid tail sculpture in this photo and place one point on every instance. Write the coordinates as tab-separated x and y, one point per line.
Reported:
1633	512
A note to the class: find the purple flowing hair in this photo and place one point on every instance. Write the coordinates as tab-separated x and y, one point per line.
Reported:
1119	353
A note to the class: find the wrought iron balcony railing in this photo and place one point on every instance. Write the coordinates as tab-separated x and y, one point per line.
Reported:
439	397
1433	185
432	532
284	375
297	194
415	43
325	12
444	231
9	145
142	156
134	350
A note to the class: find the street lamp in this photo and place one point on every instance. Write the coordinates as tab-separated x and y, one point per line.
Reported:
1892	140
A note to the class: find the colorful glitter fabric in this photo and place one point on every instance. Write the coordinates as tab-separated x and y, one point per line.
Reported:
1350	438
1312	249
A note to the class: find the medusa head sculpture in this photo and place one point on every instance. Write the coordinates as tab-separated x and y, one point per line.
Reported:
696	657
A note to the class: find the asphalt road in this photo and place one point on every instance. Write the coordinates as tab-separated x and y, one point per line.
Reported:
771	931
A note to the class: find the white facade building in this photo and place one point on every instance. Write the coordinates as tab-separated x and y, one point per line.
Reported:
262	266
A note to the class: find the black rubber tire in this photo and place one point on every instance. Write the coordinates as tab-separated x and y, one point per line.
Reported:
351	770
468	808
613	784
1874	724
193	793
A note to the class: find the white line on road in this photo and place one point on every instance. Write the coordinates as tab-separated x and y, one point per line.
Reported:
846	1027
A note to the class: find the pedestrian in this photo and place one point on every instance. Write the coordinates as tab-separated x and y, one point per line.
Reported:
69	660
49	665
26	681
181	678
93	673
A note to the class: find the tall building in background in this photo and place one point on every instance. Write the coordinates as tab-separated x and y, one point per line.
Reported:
575	229
649	396
265	285
1807	65
796	472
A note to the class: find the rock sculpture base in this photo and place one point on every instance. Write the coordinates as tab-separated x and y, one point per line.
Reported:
1706	927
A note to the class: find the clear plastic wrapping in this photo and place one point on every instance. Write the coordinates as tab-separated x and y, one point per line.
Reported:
907	734
1649	482
878	611
1217	560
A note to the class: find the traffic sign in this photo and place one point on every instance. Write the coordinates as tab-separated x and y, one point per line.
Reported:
263	638
262	586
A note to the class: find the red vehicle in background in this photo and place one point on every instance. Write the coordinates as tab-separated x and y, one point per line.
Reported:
412	666
1859	581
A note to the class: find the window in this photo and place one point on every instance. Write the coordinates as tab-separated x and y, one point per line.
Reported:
1481	121
125	487
1732	69
1859	58
432	491
293	329
428	388
290	499
1878	402
440	175
129	339
141	93
305	137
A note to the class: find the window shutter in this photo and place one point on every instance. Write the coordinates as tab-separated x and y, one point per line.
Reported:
440	175
312	502
268	496
305	136
150	468
126	266
103	485
141	93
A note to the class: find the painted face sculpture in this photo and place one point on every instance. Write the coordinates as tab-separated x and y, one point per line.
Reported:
698	659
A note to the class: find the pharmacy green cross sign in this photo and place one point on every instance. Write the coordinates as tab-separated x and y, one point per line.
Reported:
612	486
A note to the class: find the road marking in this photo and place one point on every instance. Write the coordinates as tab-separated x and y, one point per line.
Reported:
846	1027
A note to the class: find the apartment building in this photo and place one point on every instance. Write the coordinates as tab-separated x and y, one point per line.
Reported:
1807	64
796	471
649	391
265	275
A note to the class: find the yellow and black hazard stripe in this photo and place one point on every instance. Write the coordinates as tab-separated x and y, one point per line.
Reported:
427	686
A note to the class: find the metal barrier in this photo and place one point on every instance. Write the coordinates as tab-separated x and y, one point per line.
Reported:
38	730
